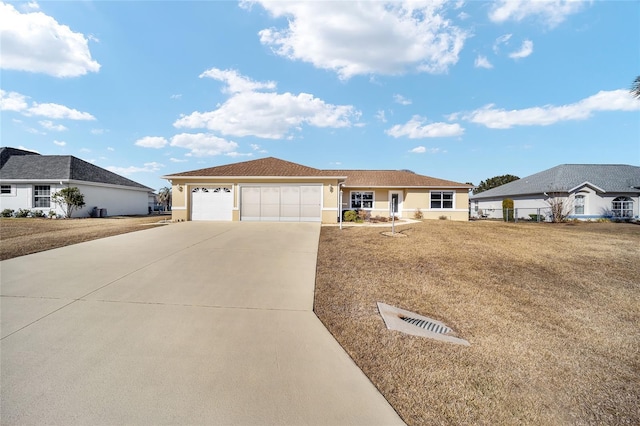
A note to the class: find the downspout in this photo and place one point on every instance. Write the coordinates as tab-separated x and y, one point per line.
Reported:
340	203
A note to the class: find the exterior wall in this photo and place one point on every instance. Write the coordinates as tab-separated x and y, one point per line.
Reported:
596	206
181	190
412	200
22	197
117	200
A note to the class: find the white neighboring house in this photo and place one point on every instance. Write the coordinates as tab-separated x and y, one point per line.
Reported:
28	179
589	191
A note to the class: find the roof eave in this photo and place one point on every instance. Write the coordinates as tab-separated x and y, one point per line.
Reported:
175	177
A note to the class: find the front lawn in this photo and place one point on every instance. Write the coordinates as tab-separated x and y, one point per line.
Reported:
551	312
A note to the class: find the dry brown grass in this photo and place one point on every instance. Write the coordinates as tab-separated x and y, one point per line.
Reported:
19	237
551	312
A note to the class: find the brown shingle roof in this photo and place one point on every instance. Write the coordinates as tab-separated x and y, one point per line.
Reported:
393	178
269	166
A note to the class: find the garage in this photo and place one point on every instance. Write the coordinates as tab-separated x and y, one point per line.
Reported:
212	202
281	203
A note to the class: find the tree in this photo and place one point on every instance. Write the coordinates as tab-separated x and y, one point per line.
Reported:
635	87
164	197
493	182
69	199
559	205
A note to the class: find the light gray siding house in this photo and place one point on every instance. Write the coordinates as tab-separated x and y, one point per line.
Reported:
590	191
28	179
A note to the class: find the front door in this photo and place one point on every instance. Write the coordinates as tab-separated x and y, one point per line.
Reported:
395	203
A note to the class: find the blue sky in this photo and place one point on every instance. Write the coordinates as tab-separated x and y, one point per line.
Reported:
461	90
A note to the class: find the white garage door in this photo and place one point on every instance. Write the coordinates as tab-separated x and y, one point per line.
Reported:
212	203
285	203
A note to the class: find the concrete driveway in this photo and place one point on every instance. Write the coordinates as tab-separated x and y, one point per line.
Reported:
190	323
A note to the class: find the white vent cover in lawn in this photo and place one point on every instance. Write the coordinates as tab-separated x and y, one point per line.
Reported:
416	325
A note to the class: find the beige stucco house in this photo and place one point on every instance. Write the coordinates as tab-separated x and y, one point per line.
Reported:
270	189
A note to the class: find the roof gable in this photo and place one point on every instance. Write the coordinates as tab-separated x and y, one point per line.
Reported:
269	166
59	167
275	167
568	177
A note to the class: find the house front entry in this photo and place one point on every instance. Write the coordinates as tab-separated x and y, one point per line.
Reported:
395	203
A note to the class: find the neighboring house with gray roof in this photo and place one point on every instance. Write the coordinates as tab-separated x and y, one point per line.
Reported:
28	179
270	189
590	191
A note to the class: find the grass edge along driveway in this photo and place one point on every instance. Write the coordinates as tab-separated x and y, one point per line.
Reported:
550	310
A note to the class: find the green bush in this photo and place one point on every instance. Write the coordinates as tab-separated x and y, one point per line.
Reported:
37	213
537	217
350	216
507	209
22	213
7	213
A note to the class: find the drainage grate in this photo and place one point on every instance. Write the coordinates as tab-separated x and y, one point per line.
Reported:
427	325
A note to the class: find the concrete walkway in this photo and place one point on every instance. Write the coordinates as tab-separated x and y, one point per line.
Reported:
189	323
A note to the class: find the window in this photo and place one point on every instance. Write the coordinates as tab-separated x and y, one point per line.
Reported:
362	199
5	189
442	200
42	196
578	205
622	207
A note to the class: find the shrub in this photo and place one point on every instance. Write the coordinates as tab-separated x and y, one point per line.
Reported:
7	213
52	214
21	213
418	214
350	216
363	215
443	217
507	209
37	213
537	217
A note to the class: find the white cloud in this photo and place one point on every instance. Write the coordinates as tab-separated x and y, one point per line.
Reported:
49	125
236	83
126	171
552	12
177	160
525	50
176	96
503	39
12	101
254	146
422	150
482	62
361	38
35	42
495	118
203	144
238	154
60	143
417	129
85	150
380	116
97	131
57	112
399	99
109	148
156	142
268	115
32	5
